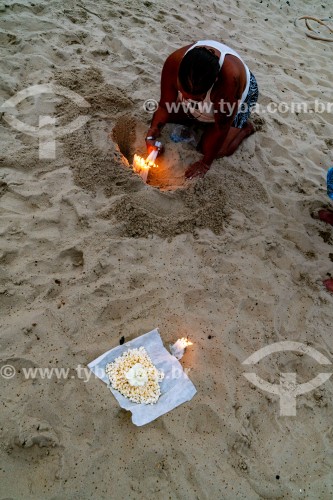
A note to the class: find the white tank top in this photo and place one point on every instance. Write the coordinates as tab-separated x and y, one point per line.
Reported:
204	110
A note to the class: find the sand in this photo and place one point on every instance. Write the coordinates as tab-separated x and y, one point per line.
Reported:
90	254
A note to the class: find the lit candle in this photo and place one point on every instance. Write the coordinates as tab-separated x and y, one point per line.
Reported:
142	166
178	348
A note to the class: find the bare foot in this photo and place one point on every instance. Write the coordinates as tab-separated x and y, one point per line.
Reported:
329	284
235	137
197	169
326	216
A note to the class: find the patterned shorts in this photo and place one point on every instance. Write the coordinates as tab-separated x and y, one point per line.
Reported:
252	96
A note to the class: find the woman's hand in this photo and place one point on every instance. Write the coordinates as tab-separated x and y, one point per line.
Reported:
151	140
150	144
154	145
197	169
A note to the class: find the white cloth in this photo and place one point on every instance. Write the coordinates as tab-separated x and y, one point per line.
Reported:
176	387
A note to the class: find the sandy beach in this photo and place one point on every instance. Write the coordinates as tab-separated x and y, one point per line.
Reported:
235	261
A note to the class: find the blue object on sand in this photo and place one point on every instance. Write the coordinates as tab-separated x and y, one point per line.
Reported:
330	183
182	134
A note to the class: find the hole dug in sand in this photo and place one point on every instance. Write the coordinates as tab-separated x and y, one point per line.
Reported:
129	135
168	210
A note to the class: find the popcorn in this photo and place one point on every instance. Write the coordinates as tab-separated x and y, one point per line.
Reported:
135	377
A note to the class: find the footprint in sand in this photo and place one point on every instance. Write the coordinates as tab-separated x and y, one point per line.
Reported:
3	188
75	256
33	431
204	420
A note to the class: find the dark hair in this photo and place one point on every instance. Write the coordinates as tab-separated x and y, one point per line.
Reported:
198	70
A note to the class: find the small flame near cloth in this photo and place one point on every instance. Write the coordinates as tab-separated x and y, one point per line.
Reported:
142	166
178	348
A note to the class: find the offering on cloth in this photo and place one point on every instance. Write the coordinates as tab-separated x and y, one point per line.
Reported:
176	387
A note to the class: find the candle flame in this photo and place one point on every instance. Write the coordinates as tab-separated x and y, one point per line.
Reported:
139	163
178	348
183	342
142	166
